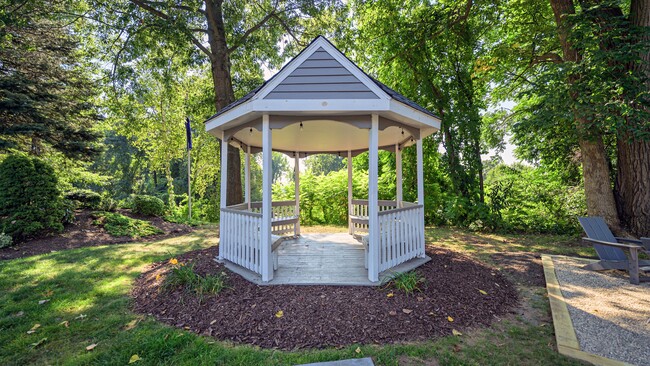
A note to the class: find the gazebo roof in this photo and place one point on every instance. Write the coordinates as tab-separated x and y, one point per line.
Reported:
321	102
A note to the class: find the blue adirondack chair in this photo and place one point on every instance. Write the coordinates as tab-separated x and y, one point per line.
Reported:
612	250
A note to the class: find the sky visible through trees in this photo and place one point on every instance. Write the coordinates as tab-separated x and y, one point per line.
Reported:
559	89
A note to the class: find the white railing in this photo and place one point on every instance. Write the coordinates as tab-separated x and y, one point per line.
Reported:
401	235
283	216
241	237
359	214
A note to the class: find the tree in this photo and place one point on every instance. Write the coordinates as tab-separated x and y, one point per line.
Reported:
46	94
239	34
322	164
279	166
595	167
633	141
428	53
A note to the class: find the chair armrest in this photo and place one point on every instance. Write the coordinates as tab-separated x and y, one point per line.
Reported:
646	243
628	240
618	245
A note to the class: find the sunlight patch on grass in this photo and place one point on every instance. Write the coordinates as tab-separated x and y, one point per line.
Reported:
90	289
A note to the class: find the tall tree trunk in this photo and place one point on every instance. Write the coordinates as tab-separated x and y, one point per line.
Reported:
223	92
598	191
633	179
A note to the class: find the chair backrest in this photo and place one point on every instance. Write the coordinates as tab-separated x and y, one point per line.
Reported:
596	228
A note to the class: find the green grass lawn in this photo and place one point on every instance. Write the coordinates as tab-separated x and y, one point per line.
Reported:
88	289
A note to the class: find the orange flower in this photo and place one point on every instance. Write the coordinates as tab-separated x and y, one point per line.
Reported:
173	261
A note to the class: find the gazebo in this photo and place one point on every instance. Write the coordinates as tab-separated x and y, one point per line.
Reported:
321	102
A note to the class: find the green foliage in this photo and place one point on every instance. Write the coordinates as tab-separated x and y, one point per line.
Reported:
182	275
117	224
108	203
5	240
407	282
323	164
30	201
46	93
522	198
148	205
69	208
85	198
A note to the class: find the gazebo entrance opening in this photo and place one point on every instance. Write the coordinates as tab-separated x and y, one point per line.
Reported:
320	102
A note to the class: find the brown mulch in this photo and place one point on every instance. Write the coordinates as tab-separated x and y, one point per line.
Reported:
524	268
330	316
82	233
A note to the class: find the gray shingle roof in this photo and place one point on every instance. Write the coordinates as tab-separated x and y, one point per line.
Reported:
392	93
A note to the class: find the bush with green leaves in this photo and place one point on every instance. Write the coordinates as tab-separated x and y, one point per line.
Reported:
119	225
30	202
85	198
5	240
148	205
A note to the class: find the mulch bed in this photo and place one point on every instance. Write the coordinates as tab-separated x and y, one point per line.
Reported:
330	316
82	233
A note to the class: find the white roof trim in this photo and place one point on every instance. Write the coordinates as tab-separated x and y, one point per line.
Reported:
336	54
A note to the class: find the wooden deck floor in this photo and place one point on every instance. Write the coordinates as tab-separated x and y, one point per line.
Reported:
323	259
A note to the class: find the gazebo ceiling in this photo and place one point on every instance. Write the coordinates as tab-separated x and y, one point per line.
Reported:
332	99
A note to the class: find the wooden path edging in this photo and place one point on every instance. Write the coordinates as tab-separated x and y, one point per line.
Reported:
565	335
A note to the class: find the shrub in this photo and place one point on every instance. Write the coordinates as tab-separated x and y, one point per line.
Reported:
68	211
85	198
407	282
30	201
184	276
5	240
108	203
119	225
148	205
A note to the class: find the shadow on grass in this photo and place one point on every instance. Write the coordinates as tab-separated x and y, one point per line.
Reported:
87	291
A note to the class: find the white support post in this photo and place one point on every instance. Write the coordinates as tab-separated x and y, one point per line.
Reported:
373	201
350	226
224	185
247	178
267	178
296	164
420	163
398	168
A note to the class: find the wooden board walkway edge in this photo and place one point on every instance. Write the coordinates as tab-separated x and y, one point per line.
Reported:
565	335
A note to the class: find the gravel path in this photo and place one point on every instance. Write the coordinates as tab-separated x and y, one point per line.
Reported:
611	317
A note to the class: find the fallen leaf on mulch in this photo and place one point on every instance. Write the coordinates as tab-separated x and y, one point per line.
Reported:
450	319
420	298
91	347
392	313
407	311
33	330
158	276
36	344
65	323
456	333
482	292
358	350
279	314
212	322
134	358
173	261
43	301
390	294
